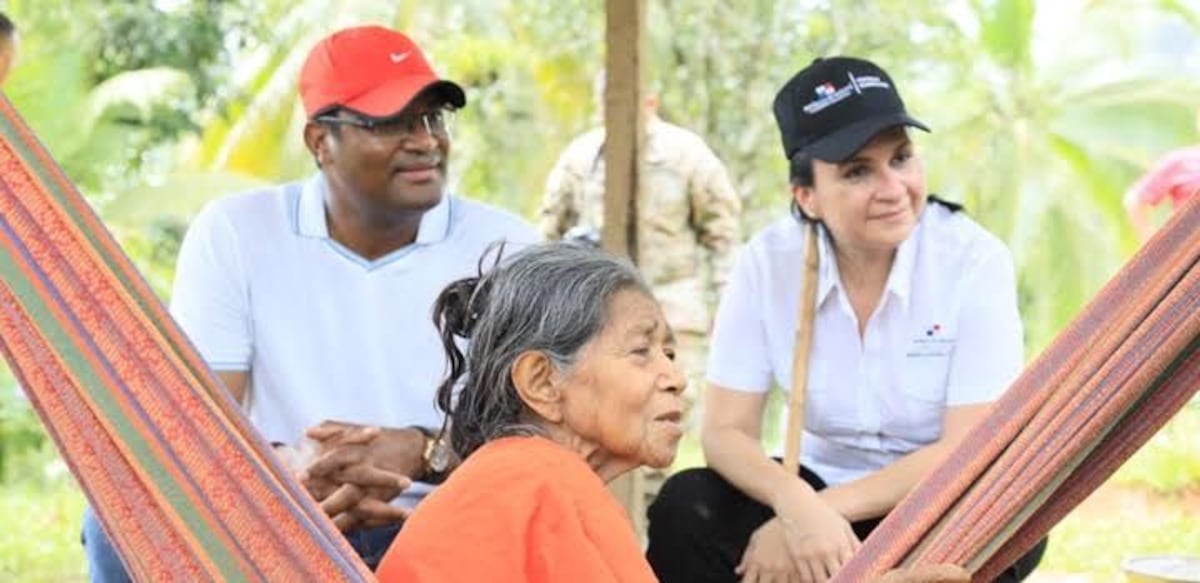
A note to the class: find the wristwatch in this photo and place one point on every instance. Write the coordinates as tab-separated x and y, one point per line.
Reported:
437	458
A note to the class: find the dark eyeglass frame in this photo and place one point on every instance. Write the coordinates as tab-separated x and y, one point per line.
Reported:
436	122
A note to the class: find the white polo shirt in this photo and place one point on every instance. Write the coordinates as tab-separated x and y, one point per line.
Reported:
946	333
325	334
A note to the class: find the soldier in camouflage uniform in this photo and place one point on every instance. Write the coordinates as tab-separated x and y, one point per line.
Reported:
688	226
687	229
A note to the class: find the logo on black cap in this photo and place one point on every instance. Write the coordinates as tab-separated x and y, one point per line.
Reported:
827	95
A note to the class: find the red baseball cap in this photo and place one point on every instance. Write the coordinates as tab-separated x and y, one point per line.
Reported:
372	70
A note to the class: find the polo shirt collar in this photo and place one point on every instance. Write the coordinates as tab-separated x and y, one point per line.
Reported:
899	282
311	220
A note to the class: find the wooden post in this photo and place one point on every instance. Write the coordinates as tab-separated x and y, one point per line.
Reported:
625	131
624	124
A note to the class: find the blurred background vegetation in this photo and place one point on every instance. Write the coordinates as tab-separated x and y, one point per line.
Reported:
1044	113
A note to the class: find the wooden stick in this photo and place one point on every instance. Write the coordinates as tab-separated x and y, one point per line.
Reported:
800	354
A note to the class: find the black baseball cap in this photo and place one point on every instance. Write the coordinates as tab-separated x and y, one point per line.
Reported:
834	106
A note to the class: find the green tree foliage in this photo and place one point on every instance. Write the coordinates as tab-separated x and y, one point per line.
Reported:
111	87
107	83
1044	112
1046	131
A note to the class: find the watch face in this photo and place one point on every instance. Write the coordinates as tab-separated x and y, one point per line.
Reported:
439	456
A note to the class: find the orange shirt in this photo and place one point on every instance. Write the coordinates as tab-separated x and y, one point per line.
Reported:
520	509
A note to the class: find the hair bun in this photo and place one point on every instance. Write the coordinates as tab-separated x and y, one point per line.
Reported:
461	305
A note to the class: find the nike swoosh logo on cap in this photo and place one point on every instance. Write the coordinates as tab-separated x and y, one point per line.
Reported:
399	57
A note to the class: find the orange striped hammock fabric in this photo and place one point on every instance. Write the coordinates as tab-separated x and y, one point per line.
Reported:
188	491
185	488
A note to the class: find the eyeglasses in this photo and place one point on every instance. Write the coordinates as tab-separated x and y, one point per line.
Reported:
435	123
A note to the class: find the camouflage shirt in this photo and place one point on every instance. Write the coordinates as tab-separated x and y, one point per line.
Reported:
688	216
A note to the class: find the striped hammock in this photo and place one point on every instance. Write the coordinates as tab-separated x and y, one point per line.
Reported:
1114	377
183	485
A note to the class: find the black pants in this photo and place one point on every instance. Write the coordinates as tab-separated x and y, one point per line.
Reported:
700	525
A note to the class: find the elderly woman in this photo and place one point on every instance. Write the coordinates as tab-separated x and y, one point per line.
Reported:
569	382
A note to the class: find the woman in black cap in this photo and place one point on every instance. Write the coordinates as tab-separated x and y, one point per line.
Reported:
915	331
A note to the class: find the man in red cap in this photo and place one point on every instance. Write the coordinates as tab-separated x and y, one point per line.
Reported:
311	300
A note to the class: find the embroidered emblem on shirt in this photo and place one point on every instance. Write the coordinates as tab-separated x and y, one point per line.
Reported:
934	342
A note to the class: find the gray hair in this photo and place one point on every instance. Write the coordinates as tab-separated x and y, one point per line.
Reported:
551	297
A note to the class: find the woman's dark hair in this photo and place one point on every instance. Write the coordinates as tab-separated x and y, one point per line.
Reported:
800	173
551	297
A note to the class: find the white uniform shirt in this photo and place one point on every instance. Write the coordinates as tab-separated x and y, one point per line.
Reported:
325	334
946	332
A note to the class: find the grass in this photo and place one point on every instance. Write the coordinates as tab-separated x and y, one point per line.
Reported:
1094	541
42	508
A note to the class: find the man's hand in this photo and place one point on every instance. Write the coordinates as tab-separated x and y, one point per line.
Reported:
353	507
359	469
348	452
337	502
